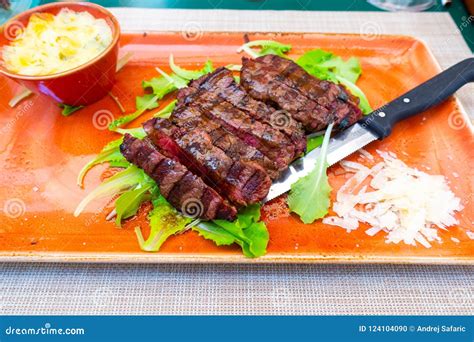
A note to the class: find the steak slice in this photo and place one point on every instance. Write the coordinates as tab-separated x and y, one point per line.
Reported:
334	97
315	103
272	143
190	119
222	83
243	183
185	191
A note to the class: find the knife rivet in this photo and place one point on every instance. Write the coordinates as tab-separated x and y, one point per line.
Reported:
406	100
382	114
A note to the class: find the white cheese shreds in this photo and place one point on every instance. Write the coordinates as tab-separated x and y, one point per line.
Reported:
405	203
470	234
366	154
348	224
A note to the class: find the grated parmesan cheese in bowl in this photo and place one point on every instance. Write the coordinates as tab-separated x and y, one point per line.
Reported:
405	203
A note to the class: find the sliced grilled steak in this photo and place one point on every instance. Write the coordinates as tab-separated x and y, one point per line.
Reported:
243	183
185	191
221	82
272	143
190	119
334	97
313	102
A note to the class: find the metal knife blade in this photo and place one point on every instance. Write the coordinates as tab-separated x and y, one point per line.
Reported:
340	146
380	121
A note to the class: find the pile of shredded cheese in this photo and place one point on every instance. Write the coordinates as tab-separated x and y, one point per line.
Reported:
405	203
54	43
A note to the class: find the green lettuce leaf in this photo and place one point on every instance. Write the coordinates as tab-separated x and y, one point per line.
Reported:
234	67
190	74
115	185
67	109
313	142
166	112
128	203
177	81
164	222
266	47
119	163
145	102
137	132
357	92
130	117
327	66
160	86
110	153
309	195
247	231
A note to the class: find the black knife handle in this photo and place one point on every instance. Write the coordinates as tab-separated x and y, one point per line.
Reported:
421	98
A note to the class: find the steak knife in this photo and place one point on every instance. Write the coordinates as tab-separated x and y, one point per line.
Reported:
379	123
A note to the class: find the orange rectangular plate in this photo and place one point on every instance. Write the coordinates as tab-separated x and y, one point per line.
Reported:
42	152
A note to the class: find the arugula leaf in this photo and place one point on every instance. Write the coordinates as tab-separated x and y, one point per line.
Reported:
267	47
164	222
115	185
313	142
327	66
128	203
166	112
119	163
160	86
234	67
130	117
190	74
247	231
350	69
356	91
23	94
212	231
309	195
110	153
177	81
137	132
145	102
67	109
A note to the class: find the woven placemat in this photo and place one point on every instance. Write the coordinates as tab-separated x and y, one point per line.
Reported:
236	289
256	289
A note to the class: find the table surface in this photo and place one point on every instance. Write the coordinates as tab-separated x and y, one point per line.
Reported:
255	289
457	10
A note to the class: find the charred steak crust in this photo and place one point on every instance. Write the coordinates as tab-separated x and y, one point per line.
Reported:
313	102
178	185
236	138
242	183
272	143
222	83
334	97
190	119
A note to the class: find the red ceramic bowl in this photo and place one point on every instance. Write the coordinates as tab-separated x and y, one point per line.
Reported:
82	85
